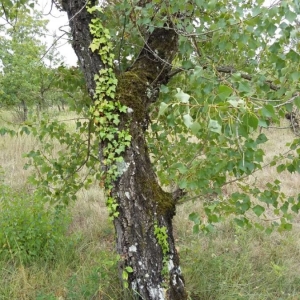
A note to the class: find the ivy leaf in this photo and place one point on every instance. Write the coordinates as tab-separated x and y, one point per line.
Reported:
94	46
129	269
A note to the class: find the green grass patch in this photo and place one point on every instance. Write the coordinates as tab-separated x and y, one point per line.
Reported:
241	264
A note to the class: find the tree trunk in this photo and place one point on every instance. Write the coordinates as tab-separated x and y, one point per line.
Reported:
144	225
25	110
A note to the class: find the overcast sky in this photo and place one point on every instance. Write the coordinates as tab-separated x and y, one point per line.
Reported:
58	20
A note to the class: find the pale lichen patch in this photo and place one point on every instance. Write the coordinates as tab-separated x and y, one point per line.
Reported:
132	248
157	293
170	264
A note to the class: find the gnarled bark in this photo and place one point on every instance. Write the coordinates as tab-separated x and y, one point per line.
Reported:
142	203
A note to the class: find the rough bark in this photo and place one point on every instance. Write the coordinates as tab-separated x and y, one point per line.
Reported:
25	110
142	202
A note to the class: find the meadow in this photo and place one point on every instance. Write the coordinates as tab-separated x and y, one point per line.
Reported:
78	259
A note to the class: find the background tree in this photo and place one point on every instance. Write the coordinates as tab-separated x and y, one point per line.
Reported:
33	77
20	52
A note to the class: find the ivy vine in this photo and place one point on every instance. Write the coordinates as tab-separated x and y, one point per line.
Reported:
161	235
106	111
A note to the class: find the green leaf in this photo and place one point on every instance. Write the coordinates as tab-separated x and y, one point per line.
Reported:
239	222
290	16
281	168
94	46
194	217
164	89
271	29
125	275
188	120
244	87
261	139
224	92
268	111
163	107
258	210
181	96
285	227
129	269
214	126
284	208
262	123
295	76
236	102
297	102
250	120
196	229
195	127
180	167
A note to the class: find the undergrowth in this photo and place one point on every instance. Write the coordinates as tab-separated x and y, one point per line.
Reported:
30	229
242	264
52	254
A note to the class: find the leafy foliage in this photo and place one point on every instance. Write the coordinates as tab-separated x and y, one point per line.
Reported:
30	229
20	56
205	128
9	10
33	77
204	134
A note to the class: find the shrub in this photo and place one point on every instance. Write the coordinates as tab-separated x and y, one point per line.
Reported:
30	229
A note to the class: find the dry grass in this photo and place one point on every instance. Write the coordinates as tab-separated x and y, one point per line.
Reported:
276	144
229	264
11	158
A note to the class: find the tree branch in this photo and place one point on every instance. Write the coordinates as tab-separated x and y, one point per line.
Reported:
232	70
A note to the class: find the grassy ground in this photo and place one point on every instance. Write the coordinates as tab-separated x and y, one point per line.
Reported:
229	264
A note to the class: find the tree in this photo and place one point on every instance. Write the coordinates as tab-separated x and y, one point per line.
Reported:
142	210
33	77
21	53
231	60
204	75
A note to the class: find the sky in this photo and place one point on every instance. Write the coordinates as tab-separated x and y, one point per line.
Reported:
57	21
